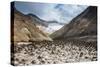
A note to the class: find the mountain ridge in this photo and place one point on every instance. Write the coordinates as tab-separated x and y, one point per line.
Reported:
83	24
24	29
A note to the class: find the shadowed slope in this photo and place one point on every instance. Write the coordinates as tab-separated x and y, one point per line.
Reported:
83	25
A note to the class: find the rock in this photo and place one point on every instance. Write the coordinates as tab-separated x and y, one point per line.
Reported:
42	55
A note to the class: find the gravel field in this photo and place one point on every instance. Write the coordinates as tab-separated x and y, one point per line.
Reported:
53	52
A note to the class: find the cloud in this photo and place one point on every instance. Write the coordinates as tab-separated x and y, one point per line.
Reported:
68	12
62	13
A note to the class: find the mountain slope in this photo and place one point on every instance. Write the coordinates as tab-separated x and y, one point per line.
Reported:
83	25
24	29
38	20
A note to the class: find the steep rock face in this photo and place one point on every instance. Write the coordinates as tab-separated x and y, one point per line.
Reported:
83	25
25	29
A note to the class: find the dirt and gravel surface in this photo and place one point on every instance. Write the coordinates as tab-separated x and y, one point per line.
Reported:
53	52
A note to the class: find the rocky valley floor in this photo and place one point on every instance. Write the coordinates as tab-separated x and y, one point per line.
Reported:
53	52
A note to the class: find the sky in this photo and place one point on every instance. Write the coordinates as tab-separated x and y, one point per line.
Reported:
62	13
